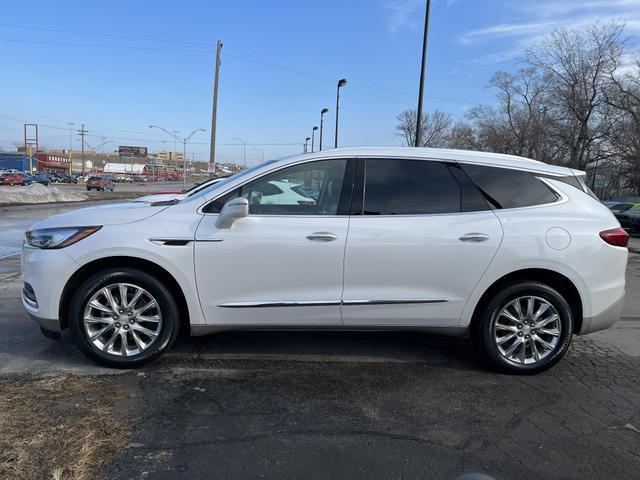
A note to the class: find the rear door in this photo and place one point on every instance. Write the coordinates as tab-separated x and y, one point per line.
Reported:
420	237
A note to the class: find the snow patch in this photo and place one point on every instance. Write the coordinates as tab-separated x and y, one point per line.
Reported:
37	193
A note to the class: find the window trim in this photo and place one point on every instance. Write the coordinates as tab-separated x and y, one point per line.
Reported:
349	174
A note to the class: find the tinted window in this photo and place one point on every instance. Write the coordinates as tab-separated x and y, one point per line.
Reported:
313	188
505	188
471	200
409	187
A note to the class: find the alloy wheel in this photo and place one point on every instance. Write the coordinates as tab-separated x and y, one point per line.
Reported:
122	319
527	330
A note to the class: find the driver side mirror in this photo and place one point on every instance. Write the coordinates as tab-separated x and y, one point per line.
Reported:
233	210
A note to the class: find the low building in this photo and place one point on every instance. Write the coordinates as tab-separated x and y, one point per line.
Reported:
170	156
126	168
15	161
51	163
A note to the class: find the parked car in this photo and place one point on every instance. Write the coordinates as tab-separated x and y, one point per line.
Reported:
165	196
10	178
513	252
100	183
41	178
619	207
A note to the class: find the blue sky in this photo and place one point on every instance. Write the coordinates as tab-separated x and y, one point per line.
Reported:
120	65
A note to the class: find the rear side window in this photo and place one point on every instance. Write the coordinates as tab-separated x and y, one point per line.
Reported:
409	187
506	188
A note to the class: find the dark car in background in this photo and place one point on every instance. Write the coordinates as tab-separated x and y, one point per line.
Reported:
41	178
100	183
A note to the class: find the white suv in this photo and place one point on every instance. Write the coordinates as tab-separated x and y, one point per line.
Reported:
512	251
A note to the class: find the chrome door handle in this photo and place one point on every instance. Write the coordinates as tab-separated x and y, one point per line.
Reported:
322	237
474	237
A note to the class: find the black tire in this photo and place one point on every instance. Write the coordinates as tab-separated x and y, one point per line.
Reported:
88	189
167	305
483	333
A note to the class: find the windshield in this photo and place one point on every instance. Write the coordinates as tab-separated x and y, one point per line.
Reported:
211	188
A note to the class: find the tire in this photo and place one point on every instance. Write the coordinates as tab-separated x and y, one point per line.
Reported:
166	329
494	325
88	189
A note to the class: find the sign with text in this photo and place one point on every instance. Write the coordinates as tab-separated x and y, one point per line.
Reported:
125	151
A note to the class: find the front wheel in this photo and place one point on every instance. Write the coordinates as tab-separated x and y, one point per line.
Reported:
526	328
123	318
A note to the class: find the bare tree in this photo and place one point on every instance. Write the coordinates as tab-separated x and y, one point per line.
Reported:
434	128
577	64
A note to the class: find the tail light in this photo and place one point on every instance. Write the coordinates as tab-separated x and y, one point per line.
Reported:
617	237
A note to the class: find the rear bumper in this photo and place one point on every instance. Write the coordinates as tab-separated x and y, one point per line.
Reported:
603	320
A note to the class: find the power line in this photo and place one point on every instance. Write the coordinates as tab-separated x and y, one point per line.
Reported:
97	34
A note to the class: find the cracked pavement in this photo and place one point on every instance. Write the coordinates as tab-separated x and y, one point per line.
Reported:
357	405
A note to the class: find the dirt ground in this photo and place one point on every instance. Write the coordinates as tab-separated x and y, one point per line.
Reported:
57	428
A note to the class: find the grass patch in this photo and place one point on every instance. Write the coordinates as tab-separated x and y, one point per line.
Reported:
57	428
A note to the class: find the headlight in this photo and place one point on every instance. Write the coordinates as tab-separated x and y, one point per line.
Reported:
50	238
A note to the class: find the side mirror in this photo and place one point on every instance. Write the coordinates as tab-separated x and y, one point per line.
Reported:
233	210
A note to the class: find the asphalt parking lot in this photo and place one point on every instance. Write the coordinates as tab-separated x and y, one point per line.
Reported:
350	405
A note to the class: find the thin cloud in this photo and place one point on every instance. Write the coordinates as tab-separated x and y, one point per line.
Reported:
402	14
548	15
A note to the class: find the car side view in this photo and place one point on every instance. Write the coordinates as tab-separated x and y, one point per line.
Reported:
513	252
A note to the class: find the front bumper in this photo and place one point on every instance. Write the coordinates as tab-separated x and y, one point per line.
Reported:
603	320
47	273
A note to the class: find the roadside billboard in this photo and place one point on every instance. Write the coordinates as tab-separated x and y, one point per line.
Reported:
127	151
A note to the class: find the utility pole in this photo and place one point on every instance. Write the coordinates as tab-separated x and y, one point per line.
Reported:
82	133
212	153
422	73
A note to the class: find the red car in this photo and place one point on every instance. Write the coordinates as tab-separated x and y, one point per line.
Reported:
9	178
99	183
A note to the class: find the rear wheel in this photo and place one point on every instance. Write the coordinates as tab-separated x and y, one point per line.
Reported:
526	328
123	318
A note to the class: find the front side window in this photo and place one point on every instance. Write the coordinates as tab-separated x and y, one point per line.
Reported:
409	187
312	188
507	188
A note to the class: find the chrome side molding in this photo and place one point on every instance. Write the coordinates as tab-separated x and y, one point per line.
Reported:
322	303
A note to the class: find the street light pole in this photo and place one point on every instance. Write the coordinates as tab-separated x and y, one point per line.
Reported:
261	152
313	137
341	83
184	142
422	73
322	112
306	144
71	125
244	151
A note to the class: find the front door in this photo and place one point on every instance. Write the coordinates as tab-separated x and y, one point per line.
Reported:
419	241
283	264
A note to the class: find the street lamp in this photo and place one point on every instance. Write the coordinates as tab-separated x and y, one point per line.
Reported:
322	112
313	137
175	150
71	124
306	144
341	83
244	151
261	152
184	142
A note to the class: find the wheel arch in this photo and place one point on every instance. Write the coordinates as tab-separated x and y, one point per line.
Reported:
146	266
551	278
